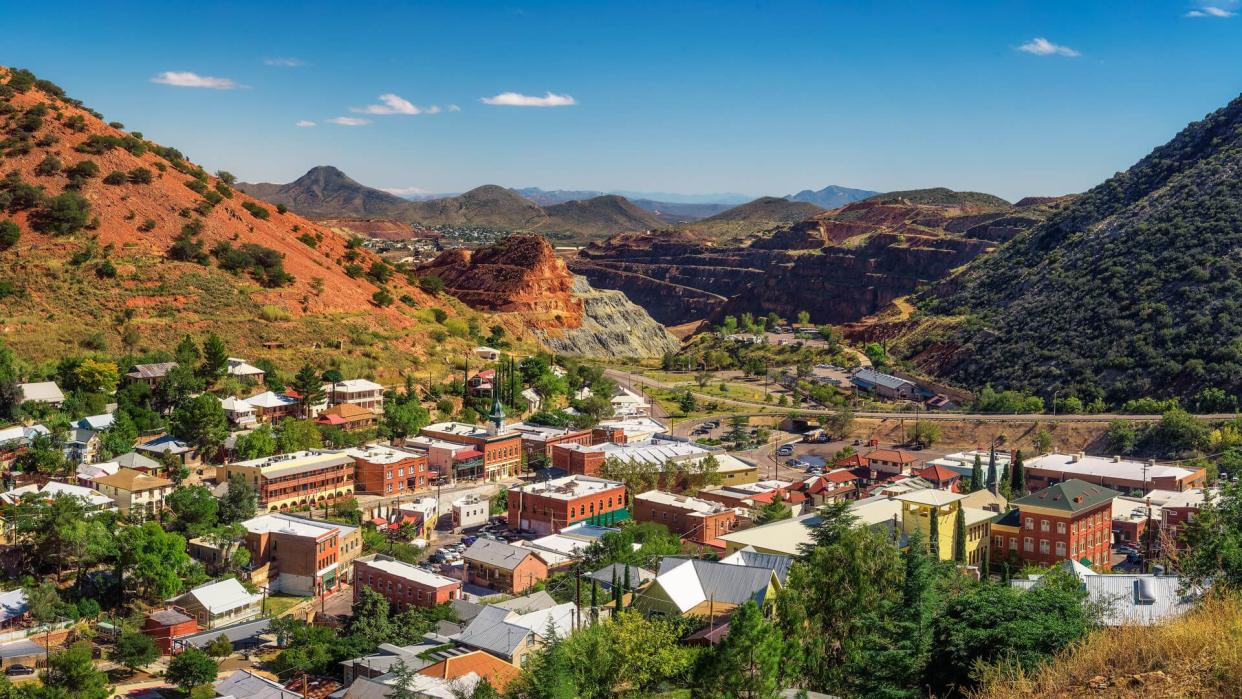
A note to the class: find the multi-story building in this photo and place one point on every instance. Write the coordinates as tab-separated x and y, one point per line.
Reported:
300	556
348	417
699	521
889	462
1131	477
538	440
548	506
750	495
136	493
470	511
503	567
220	603
1179	509
677	461
501	450
919	506
150	374
360	392
270	406
448	461
383	470
402	584
1069	520
298	479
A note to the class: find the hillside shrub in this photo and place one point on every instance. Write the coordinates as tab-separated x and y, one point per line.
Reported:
382	297
21	80
115	177
79	173
273	314
105	270
147	225
224	190
282	209
140	175
354	270
63	214
265	265
49	166
257	211
77	122
186	248
17	194
9	234
308	240
431	284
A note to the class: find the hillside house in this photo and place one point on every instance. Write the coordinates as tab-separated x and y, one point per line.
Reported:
41	392
137	494
503	567
150	374
220	603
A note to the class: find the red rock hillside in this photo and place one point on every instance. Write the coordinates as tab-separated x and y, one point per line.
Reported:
72	272
519	274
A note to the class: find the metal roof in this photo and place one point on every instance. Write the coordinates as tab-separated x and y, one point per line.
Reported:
497	553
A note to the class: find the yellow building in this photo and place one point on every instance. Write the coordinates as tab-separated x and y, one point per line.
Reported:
299	479
917	508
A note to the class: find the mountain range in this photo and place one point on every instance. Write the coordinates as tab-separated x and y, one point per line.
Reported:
325	192
832	196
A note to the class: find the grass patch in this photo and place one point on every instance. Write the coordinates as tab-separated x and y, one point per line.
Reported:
278	604
272	313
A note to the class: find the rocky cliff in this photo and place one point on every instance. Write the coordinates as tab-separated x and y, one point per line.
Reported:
840	265
523	276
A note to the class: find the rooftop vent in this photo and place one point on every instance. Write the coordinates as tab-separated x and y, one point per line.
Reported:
1144	591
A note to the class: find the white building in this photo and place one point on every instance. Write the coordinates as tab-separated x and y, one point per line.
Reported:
470	511
220	603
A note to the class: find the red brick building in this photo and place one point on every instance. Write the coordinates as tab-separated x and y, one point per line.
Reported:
1067	521
383	470
503	567
889	462
539	440
549	506
502	451
402	584
163	625
695	520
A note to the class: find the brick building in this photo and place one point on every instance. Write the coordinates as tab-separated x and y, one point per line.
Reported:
889	462
163	625
503	567
699	521
300	556
539	440
547	507
1070	520
501	451
298	479
402	584
1131	477
383	470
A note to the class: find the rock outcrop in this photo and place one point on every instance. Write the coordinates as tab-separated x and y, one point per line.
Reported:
522	275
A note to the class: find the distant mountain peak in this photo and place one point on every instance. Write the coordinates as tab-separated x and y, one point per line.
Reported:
831	197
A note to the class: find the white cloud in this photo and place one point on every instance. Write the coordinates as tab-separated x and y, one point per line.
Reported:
404	191
516	99
433	109
1040	46
304	124
454	108
349	121
286	62
188	79
1210	11
392	104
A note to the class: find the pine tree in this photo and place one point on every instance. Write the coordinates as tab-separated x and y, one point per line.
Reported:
976	475
309	388
187	352
748	660
215	357
959	536
992	469
626	581
933	538
616	593
985	568
1017	475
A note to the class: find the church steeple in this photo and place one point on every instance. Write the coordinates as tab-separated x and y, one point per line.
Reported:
497	417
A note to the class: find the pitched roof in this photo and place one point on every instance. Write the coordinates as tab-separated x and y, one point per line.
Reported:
44	391
637	575
13	604
97	422
222	596
1071	496
939	473
270	399
497	672
690	582
748	556
167	444
497	553
502	631
151	371
248	685
347	411
131	480
897	455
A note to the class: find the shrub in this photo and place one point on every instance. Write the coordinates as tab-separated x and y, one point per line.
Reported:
115	177
9	234
105	270
431	284
382	297
49	166
408	300
264	264
439	314
224	190
198	186
21	80
147	226
282	209
30	122
76	123
379	272
272	313
140	175
64	214
354	270
255	210
116	125
187	249
81	172
226	177
17	195
308	240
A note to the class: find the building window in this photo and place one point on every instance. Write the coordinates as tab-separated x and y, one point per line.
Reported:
1028	544
1043	525
998	541
1060	527
1013	543
1030	522
1043	546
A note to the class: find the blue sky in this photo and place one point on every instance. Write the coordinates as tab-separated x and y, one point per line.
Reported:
755	97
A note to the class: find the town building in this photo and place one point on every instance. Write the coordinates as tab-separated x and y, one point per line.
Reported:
360	392
298	479
751	495
691	587
695	520
300	556
384	470
1071	520
165	624
941	477
918	507
136	494
481	664
889	462
448	461
150	374
1177	509
669	456
40	392
501	451
1130	477
92	500
271	406
239	412
241	369
539	440
220	603
885	385
963	463
348	417
1127	599
402	584
512	636
503	567
548	506
470	511
168	446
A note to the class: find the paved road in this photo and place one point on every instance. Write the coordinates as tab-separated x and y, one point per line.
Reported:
632	381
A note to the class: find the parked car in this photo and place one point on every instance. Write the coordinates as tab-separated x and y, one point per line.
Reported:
468	540
18	670
785	450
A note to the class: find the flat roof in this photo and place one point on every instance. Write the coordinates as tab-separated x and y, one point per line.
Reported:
694	506
290	524
381	454
461	429
1105	467
404	570
567	488
297	461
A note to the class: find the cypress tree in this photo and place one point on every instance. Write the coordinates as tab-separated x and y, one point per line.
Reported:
992	483
626	582
976	474
959	536
933	539
616	592
1017	475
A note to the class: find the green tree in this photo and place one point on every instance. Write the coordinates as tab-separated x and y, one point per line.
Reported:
309	387
192	668
239	502
255	444
748	661
686	403
221	647
72	673
215	358
194	508
1122	436
200	422
187	353
64	214
120	437
959	536
976	474
134	650
924	433
298	435
933	534
403	418
773	511
177	386
1017	475
151	561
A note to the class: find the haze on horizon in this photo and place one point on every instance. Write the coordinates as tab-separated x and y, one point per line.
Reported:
1022	99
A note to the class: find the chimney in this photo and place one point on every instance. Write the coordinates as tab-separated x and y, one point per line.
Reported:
1116	458
1151	462
1073	458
